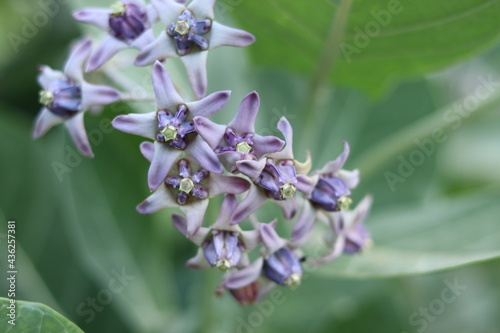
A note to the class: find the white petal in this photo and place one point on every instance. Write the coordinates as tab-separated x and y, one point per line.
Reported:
202	9
168	10
221	35
76	129
45	121
196	67
105	51
77	60
162	48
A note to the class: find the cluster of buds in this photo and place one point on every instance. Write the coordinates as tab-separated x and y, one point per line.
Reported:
193	159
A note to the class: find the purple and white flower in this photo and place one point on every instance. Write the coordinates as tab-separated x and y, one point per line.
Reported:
189	189
238	140
172	127
189	33
65	97
128	24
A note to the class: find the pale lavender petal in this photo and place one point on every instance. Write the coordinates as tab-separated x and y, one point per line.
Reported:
222	35
45	121
165	92
139	3
272	241
251	168
244	119
199	261
204	155
161	198
211	132
143	124
152	14
334	166
335	251
229	159
304	225
196	68
245	276
218	184
195	212
251	239
350	178
76	129
93	95
287	152
266	145
47	75
253	201
202	9
105	51
362	210
162	48
181	224
77	59
288	207
227	208
145	39
147	150
168	10
96	16
209	105
163	159
306	184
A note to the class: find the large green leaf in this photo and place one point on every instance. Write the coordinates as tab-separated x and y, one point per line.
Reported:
34	317
420	36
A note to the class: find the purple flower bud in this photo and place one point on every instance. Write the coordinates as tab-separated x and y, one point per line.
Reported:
223	250
62	97
331	194
283	267
186	31
127	21
188	185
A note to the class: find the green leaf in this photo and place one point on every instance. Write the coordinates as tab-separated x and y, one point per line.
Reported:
34	317
442	235
419	37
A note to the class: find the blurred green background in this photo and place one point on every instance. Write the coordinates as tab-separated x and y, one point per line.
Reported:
436	225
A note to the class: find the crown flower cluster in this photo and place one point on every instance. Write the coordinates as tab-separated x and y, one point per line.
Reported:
193	159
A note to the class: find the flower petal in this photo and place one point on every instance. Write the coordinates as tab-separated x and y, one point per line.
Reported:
304	167
254	199
161	198
250	168
244	119
45	121
306	184
143	124
211	132
304	225
287	152
168	10
47	75
350	178
209	105
163	159
162	48
288	207
218	184
145	39
199	261
245	276
105	51
195	212
227	208
222	35
272	241
147	150
76	129
181	224
93	95
334	166
202	9
196	67
230	159
77	59
95	16
204	155
266	145
165	92
251	239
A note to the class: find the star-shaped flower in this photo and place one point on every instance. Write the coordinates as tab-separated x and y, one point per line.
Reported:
66	96
172	128
238	140
128	23
188	189
189	33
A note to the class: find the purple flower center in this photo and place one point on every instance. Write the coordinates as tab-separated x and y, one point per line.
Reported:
243	143
331	194
279	179
186	31
174	128
223	250
62	97
189	185
283	267
127	21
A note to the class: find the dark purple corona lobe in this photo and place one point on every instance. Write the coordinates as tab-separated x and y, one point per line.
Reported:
174	128
130	24
186	31
327	192
66	98
235	142
283	267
